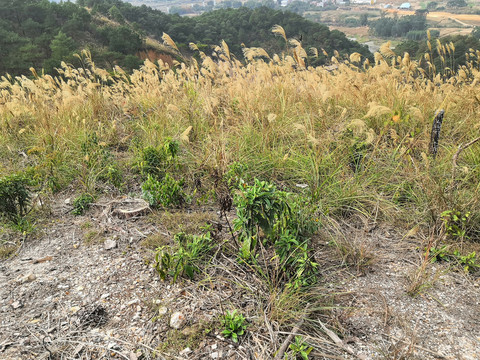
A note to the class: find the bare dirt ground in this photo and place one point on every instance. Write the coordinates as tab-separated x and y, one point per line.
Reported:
84	288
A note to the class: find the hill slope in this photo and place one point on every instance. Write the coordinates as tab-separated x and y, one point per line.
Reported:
276	192
41	34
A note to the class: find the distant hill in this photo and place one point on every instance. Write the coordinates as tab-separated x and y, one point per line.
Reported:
41	34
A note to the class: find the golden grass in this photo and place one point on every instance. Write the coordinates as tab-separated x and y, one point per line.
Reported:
286	120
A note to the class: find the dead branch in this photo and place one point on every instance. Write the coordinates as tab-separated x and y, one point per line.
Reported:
338	341
435	134
289	338
127	214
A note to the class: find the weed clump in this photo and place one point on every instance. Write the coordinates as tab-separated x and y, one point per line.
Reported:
163	193
234	325
98	164
185	260
82	203
265	214
15	196
157	161
160	188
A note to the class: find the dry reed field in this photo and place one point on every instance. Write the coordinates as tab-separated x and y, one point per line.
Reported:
289	211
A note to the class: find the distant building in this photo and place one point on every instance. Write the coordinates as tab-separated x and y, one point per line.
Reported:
322	3
405	6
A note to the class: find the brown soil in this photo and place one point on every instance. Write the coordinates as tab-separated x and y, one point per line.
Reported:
65	296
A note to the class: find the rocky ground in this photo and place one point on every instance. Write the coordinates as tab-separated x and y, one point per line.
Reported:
84	288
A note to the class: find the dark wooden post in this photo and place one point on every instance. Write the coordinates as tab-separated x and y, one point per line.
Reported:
435	135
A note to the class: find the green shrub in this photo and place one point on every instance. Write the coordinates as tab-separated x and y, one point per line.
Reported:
469	262
98	164
259	207
155	161
14	196
439	254
152	162
185	260
295	260
234	174
113	175
456	223
82	204
163	193
286	221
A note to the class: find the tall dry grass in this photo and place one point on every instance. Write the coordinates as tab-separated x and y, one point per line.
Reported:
356	133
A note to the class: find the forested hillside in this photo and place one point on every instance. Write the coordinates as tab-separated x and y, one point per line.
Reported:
36	33
251	27
40	34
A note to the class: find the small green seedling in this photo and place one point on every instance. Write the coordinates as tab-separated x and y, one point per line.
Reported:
299	349
82	204
469	261
440	254
235	325
456	223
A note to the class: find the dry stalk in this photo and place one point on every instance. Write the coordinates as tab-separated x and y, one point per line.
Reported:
461	147
338	341
289	338
436	354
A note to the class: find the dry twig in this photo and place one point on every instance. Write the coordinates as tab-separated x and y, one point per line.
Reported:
338	341
289	338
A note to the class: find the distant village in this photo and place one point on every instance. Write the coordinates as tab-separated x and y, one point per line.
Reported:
324	3
195	7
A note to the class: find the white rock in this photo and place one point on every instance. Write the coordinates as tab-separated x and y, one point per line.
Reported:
215	355
162	310
26	278
177	320
113	346
17	304
110	244
214	347
185	351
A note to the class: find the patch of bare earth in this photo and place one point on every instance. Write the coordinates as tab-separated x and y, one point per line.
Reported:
439	320
86	289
